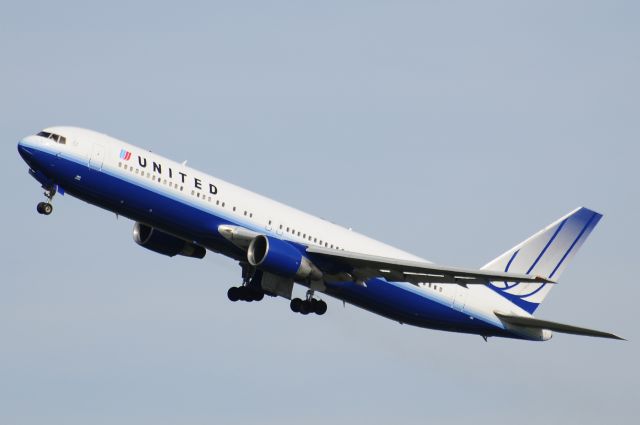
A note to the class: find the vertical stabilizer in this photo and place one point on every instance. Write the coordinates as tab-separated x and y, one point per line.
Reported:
545	254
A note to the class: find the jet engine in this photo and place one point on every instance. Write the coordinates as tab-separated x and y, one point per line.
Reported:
281	258
164	243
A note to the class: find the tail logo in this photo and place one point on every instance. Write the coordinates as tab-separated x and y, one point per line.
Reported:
125	154
544	254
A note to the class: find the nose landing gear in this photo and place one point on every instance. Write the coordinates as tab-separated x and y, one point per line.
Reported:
308	305
45	208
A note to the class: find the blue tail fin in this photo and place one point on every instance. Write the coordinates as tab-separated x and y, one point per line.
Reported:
545	254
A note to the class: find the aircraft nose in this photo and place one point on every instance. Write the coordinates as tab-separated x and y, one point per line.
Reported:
24	150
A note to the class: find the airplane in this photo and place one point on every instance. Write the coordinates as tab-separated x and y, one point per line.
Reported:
178	210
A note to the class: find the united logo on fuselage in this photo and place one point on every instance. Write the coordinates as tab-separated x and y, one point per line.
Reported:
157	169
125	154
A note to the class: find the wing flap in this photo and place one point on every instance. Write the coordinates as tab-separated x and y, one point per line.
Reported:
530	322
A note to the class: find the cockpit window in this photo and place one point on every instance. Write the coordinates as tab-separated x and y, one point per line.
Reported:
55	137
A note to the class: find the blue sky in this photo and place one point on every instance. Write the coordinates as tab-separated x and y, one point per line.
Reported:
450	129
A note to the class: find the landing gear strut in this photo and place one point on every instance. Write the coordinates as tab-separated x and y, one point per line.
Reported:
308	305
45	208
250	289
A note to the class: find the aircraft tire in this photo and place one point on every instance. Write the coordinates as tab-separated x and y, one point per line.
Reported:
320	308
295	305
233	293
257	295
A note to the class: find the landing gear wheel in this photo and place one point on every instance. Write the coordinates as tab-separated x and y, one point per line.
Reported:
233	294
44	208
295	305
258	295
320	307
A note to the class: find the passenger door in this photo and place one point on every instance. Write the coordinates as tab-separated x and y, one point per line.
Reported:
460	298
97	157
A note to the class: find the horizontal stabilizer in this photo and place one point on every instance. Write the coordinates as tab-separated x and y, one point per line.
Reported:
530	322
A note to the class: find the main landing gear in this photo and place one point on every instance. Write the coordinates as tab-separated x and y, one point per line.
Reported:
45	208
250	289
245	293
308	305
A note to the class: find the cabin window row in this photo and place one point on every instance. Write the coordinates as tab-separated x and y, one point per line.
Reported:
302	235
151	176
219	203
195	193
435	287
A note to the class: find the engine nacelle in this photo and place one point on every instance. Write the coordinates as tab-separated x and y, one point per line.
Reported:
165	244
281	258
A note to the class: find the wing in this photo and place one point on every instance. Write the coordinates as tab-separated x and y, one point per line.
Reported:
530	322
361	267
364	266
